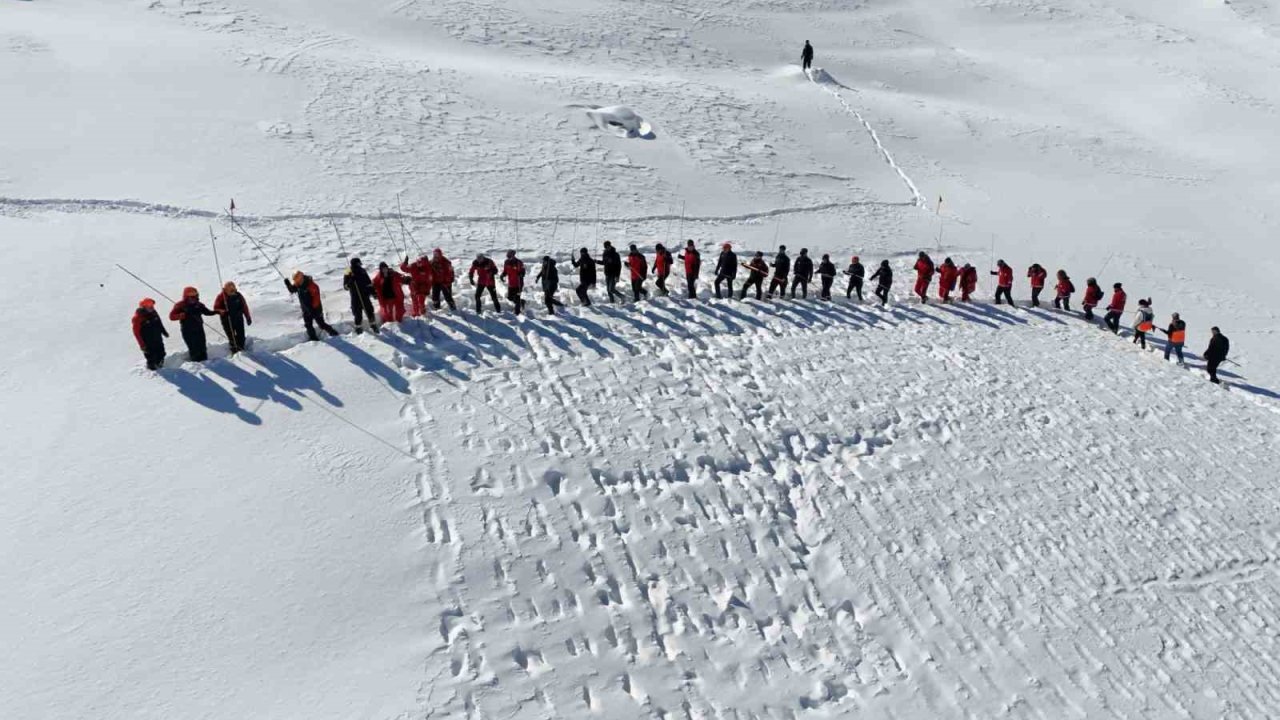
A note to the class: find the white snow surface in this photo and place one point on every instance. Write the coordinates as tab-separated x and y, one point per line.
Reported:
681	509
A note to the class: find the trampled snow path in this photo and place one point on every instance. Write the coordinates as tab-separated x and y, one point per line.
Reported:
710	510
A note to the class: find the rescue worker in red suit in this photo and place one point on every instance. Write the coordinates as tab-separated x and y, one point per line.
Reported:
662	262
441	280
309	302
484	275
924	276
148	330
639	271
233	311
948	273
1062	291
968	282
1038	275
388	287
419	272
189	312
1092	296
692	267
513	273
1115	309
1004	281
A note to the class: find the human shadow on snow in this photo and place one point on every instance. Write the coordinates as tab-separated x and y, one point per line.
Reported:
207	392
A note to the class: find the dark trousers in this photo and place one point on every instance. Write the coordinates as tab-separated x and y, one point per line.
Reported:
778	283
1112	319
1005	293
855	285
882	292
154	354
802	284
361	307
233	328
724	279
637	289
581	290
1035	296
441	291
661	282
315	316
692	282
197	348
513	294
493	294
755	280
1140	338
1173	348
826	286
611	285
1062	302
1088	312
806	63
1212	367
549	299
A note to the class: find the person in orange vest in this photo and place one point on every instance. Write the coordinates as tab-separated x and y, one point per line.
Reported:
968	282
189	312
310	303
233	311
692	267
662	262
148	330
1144	322
639	271
441	280
757	271
1115	309
924	276
484	275
1038	275
513	272
1062	292
1092	296
1177	334
419	272
948	273
388	287
1004	281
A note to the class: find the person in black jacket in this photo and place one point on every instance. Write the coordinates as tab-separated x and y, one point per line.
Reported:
549	276
827	274
692	267
855	272
781	269
885	275
1217	351
757	269
359	286
311	304
803	273
189	312
148	330
586	275
806	56
726	269
612	263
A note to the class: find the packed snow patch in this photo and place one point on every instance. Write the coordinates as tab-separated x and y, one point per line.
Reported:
621	120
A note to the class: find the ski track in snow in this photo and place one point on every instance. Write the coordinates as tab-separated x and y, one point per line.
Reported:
782	510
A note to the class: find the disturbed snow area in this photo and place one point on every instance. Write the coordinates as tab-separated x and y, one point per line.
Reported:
675	510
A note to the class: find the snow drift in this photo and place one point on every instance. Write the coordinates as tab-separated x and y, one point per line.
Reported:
622	121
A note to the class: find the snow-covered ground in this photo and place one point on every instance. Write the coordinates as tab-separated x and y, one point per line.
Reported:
681	509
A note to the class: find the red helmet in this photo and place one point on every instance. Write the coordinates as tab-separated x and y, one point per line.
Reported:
189	291
147	303
855	258
727	246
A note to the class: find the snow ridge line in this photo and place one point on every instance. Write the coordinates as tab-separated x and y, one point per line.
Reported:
875	138
71	205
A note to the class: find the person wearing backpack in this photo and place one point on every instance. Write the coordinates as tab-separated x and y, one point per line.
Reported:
1062	292
1144	321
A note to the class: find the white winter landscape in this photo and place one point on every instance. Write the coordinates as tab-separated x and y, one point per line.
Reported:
672	509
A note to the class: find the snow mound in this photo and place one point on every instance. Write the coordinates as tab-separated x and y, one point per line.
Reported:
622	121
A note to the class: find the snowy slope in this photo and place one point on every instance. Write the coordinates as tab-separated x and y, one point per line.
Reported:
677	510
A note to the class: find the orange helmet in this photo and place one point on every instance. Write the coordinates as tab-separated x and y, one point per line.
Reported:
189	291
147	303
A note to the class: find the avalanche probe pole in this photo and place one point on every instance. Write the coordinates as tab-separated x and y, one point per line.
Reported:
245	233
405	230
216	264
942	223
341	244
